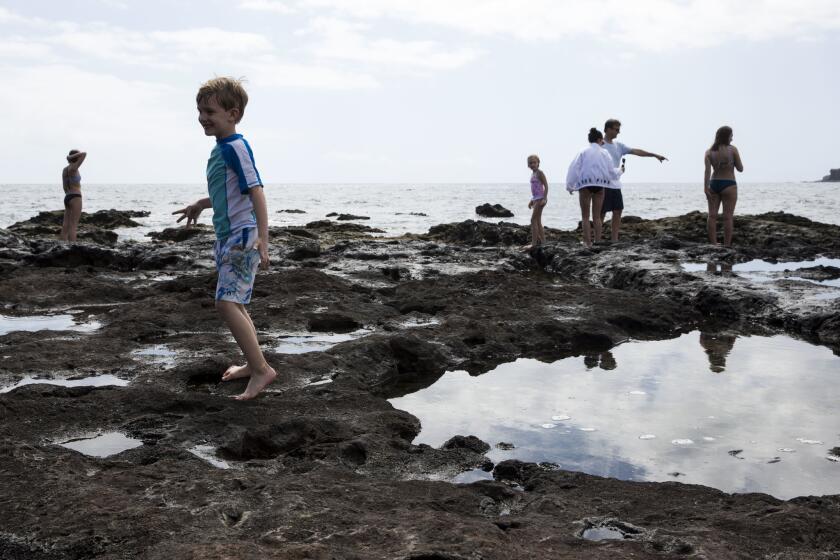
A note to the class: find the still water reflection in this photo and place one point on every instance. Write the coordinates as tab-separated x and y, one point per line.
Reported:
742	414
34	323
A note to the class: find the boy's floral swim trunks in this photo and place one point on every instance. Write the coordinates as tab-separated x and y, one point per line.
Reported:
237	260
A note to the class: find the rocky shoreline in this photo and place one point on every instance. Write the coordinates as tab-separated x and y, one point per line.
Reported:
832	177
322	466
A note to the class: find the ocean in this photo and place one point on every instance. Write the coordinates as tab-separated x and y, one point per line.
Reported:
413	208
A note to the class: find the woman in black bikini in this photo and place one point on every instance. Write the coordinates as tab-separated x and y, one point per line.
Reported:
72	182
722	159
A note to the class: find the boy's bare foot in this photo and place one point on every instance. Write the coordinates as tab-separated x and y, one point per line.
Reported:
259	381
236	372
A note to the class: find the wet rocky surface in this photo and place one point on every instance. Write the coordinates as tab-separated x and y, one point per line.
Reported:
321	465
96	227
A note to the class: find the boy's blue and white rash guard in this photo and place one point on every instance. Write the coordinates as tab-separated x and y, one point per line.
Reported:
231	174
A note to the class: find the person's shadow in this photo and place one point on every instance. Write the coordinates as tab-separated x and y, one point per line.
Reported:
717	347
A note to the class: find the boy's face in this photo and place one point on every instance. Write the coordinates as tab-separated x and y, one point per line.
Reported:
215	120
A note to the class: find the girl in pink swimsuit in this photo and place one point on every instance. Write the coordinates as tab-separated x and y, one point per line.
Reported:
539	198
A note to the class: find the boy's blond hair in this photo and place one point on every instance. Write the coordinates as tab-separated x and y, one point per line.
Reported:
228	92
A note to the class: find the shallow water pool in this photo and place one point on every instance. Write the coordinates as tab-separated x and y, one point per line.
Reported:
93	381
742	414
102	445
34	323
763	271
302	343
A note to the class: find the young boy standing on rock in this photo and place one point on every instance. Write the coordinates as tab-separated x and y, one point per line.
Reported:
240	219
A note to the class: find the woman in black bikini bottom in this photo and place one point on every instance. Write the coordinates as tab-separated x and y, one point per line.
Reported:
722	160
719	185
72	182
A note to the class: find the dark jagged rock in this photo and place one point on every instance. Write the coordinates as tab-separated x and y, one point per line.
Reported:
179	234
299	232
832	177
99	236
332	322
323	465
10	240
488	210
336	227
291	211
818	273
106	219
347	217
95	227
79	255
466	442
303	251
473	233
477	233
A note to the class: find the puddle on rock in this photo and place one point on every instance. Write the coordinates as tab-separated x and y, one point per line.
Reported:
298	343
705	394
33	323
609	529
419	322
603	534
763	271
94	381
158	354
474	475
208	453
102	445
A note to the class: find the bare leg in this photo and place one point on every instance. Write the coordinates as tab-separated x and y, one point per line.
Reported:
585	202
242	329
72	214
535	234
597	204
75	214
711	220
236	371
65	224
615	224
536	223
729	197
603	215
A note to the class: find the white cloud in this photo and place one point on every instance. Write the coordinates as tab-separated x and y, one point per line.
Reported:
644	24
58	107
344	40
267	6
7	16
117	4
159	49
275	73
207	50
20	49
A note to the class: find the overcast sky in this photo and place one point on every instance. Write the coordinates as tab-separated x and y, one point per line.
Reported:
418	90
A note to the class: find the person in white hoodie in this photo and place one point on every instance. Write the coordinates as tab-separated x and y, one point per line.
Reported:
591	171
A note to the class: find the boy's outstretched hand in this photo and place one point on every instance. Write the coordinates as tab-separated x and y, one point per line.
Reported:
191	213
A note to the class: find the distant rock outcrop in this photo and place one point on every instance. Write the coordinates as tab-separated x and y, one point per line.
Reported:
833	176
493	211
